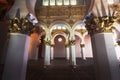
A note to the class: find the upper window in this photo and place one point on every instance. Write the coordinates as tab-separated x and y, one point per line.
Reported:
45	2
73	2
52	2
66	2
59	2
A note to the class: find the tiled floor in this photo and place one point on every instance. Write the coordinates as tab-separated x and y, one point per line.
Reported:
60	69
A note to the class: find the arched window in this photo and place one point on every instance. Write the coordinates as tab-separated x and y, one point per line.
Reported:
52	2
66	2
59	2
45	2
73	2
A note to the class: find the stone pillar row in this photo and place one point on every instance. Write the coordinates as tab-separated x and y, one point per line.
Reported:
49	53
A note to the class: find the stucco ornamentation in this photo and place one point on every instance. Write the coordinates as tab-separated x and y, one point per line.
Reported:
20	25
100	24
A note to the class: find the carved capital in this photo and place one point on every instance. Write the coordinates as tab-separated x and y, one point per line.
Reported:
67	45
82	45
20	25
52	45
100	24
72	42
47	42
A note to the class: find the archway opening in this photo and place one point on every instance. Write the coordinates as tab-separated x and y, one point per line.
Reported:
77	46
59	47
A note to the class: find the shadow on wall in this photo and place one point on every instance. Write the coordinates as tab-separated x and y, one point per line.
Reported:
3	39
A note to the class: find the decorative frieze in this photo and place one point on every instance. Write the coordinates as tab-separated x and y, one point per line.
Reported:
61	12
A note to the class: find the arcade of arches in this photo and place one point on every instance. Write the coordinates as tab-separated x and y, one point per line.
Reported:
67	29
62	22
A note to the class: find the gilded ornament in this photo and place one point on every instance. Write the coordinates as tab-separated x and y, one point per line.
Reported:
82	45
47	42
99	24
72	42
20	25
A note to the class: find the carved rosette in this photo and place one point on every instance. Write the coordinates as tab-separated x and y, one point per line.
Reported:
20	25
100	24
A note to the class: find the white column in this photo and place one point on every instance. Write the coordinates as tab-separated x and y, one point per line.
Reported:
47	55
37	50
52	53
83	51
73	56
67	53
17	56
107	66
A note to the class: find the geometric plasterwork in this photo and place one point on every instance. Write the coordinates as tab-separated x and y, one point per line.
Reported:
69	14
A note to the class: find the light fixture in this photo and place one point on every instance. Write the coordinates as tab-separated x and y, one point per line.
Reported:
59	39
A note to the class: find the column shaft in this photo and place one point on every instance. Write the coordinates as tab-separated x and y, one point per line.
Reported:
73	56
52	53
47	55
67	53
17	56
83	53
107	66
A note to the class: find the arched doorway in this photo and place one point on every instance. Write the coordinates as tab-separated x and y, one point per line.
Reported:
77	47
59	47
